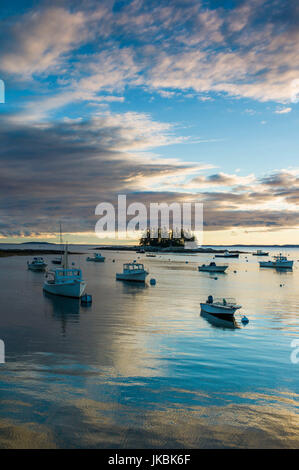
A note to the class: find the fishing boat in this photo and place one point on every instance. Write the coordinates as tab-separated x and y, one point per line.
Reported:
97	258
58	260
227	254
37	264
279	261
260	253
132	272
222	308
213	268
65	281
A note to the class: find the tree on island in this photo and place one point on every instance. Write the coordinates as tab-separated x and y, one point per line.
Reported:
163	238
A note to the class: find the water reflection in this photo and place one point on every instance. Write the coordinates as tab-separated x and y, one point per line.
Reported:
229	324
64	309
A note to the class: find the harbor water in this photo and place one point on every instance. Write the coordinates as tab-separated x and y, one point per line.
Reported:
141	367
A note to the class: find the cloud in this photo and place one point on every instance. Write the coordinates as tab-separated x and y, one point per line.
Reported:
283	110
249	50
63	170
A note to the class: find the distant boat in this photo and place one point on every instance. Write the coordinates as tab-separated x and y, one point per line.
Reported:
260	253
213	268
132	272
279	261
151	255
37	264
97	257
222	308
64	281
227	254
58	260
140	250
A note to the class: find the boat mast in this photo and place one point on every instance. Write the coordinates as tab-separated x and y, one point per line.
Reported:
65	258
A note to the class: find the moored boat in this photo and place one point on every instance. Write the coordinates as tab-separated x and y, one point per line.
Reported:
279	261
227	254
65	281
132	272
97	258
213	268
260	253
222	308
37	264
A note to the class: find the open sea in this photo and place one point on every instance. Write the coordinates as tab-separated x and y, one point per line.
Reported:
140	367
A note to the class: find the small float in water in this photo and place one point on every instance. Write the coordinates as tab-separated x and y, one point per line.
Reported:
132	272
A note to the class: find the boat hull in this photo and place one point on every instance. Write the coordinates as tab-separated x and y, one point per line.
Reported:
219	310
279	265
134	277
37	268
212	269
71	289
234	255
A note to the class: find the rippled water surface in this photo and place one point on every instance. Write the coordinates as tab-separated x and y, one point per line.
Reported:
141	367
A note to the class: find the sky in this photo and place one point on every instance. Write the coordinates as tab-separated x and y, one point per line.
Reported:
164	101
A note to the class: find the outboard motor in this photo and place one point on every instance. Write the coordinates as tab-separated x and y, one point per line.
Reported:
210	299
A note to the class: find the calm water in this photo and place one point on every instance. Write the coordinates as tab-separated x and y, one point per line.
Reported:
141	367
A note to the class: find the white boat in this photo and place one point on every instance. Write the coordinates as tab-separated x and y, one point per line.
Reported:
279	261
213	268
97	257
227	254
151	255
222	308
64	281
37	264
132	272
260	253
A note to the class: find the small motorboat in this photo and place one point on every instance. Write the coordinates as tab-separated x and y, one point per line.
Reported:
37	264
64	281
132	272
97	258
260	253
57	260
213	268
150	255
227	254
279	261
140	250
222	308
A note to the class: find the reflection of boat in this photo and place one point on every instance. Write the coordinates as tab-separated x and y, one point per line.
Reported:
213	268
64	281
37	264
279	261
227	254
223	308
227	323
97	257
132	272
260	253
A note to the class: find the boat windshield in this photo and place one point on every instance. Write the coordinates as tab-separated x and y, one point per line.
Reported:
225	301
133	266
